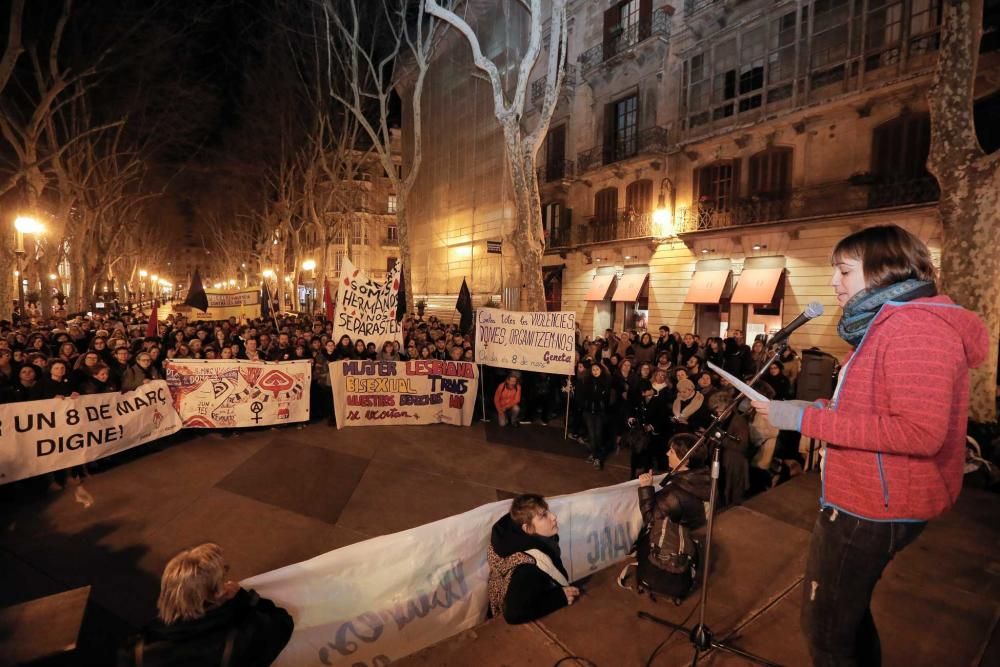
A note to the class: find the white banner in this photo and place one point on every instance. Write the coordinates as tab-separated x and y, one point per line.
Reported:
223	304
228	393
376	601
541	342
366	309
421	391
44	436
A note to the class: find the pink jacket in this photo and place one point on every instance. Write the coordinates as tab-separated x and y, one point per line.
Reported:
896	425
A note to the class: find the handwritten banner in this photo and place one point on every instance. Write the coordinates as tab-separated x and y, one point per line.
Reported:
364	604
53	434
421	391
223	304
544	342
366	309
227	393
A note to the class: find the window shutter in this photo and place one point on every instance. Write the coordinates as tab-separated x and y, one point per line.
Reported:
610	23
736	189
609	133
645	18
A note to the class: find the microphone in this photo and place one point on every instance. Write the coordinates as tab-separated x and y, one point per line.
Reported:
814	309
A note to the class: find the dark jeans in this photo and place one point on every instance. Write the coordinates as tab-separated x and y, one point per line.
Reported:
847	556
596	424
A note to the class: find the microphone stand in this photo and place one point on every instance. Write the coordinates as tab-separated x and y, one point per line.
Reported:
701	636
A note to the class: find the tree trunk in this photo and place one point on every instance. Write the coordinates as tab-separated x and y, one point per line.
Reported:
8	283
527	234
970	191
403	234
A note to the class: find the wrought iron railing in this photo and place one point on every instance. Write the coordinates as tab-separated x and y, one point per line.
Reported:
650	139
556	170
623	40
569	82
390	241
625	224
819	200
694	6
560	237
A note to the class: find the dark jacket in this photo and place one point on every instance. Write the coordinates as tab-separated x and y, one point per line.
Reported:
51	388
135	375
517	587
259	630
596	396
682	499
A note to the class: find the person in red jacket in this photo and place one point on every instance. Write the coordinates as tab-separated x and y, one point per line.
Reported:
894	456
507	401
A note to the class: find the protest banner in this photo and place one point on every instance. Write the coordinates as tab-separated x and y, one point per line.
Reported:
420	391
53	434
366	309
234	393
541	342
364	604
223	304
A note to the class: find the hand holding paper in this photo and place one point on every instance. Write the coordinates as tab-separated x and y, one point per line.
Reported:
740	385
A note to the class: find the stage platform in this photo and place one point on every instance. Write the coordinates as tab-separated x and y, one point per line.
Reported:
937	604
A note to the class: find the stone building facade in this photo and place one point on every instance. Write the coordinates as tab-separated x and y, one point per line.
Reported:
707	155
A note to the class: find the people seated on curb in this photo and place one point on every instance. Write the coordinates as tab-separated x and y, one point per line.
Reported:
667	554
204	620
507	401
527	577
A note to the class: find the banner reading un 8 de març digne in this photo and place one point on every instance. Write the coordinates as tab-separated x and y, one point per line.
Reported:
540	342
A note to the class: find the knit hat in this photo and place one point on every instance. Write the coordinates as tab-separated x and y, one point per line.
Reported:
685	385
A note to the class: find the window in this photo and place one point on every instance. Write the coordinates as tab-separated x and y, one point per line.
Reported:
626	128
696	90
900	148
390	264
338	235
752	51
883	33
639	197
399	171
605	206
717	184
830	41
392	233
390	205
771	171
338	260
626	24
724	79
925	24
359	233
552	223
555	154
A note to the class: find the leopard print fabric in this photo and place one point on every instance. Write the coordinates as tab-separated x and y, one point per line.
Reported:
501	570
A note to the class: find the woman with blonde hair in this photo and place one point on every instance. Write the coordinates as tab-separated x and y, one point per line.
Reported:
204	619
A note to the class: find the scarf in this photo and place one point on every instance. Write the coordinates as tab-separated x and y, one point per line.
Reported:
865	305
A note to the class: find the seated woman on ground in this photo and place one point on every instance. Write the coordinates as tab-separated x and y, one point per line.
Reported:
527	577
205	620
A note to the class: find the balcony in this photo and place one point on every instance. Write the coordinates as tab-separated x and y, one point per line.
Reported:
624	40
390	241
569	83
652	139
625	225
556	170
560	237
828	199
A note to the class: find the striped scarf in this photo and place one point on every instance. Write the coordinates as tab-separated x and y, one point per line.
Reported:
864	306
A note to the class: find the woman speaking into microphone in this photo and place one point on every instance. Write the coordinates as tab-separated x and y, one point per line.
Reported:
895	429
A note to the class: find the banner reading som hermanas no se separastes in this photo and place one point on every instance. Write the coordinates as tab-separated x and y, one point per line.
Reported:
420	391
529	341
43	436
233	393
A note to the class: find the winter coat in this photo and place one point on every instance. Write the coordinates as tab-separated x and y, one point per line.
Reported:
258	629
518	587
505	398
894	453
644	353
596	396
135	375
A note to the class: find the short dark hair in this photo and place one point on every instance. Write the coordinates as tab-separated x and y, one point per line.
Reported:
888	254
682	443
526	507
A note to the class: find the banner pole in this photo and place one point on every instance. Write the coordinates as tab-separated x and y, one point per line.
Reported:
569	385
482	390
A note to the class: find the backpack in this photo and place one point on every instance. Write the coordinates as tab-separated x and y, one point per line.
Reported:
668	559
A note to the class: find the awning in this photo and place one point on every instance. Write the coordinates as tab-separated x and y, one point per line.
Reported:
599	288
707	286
757	285
629	287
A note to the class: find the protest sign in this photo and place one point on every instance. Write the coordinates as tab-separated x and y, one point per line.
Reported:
366	309
364	604
228	393
223	304
53	434
541	342
420	391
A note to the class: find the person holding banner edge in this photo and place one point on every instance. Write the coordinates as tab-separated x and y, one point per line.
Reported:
894	458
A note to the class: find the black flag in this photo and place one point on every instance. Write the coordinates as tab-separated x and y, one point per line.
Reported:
464	306
265	301
196	297
401	301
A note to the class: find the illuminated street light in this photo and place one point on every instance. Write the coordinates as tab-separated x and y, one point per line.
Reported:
53	276
268	273
143	273
28	225
155	278
232	282
309	264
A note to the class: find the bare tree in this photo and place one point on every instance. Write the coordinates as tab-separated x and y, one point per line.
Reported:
374	58
970	189
527	237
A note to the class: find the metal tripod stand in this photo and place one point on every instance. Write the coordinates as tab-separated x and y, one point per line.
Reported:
701	636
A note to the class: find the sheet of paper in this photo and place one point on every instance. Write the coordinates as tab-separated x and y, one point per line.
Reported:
740	385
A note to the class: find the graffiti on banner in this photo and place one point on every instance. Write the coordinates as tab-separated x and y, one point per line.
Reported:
53	434
234	393
366	309
542	342
223	304
362	605
420	391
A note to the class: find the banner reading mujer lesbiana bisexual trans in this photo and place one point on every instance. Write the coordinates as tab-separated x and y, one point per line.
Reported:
420	391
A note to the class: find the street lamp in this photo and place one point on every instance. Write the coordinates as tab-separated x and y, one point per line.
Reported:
310	265
23	224
662	216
